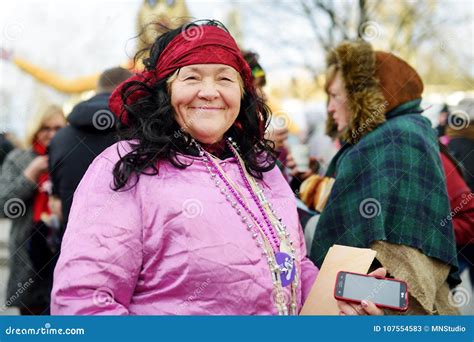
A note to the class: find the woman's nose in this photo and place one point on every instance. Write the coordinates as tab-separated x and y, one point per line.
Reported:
330	107
208	91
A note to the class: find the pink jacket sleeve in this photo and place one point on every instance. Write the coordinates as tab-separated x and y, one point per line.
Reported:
101	253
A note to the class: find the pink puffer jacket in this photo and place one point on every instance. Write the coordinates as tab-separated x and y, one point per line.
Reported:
170	245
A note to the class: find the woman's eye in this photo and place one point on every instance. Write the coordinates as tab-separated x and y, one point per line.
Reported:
190	78
226	79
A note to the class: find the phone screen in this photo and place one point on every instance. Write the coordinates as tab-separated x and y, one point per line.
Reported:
380	291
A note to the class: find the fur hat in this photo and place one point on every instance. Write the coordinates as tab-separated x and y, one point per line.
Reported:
376	82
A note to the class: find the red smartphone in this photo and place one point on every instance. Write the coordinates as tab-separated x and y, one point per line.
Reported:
384	292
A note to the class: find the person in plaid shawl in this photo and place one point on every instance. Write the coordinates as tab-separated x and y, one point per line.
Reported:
389	192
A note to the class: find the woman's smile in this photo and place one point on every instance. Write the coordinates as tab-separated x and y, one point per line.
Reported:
207	108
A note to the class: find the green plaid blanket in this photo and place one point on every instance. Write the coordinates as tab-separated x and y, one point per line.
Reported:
390	186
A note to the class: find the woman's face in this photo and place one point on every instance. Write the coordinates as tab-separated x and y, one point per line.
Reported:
206	100
338	105
49	129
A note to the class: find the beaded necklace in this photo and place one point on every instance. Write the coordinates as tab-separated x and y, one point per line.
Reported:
270	235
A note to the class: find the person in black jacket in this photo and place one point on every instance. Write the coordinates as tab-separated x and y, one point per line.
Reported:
460	133
91	129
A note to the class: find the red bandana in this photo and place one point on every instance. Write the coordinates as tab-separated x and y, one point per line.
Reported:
194	45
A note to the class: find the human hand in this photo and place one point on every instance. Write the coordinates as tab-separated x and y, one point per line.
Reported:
301	175
36	167
55	206
366	307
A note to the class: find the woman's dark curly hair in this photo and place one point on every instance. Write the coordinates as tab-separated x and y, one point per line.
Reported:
157	136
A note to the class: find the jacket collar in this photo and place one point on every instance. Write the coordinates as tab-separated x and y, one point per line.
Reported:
410	107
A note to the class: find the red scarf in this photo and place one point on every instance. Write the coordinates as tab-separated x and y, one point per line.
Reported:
40	199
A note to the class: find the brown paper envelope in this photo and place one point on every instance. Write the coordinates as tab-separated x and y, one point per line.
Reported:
321	300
